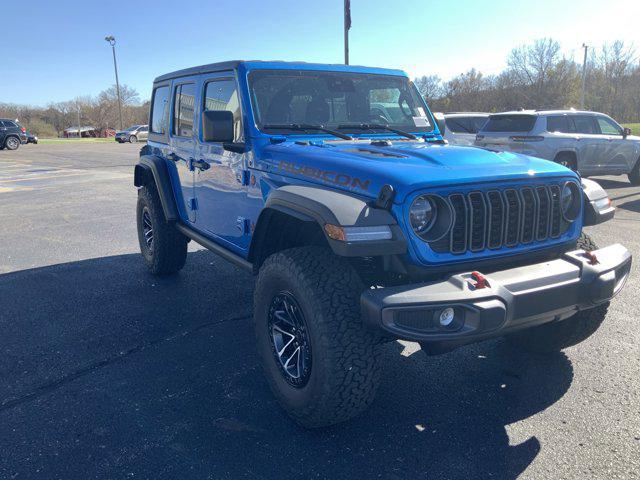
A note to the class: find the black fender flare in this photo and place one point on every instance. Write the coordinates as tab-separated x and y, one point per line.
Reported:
324	206
153	170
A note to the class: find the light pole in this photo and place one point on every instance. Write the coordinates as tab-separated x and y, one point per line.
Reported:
112	41
584	76
347	26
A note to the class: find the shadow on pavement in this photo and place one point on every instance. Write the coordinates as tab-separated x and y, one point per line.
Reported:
608	183
108	372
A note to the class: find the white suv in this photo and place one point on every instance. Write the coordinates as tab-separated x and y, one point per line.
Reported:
589	142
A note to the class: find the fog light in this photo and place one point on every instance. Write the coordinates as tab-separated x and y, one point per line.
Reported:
447	316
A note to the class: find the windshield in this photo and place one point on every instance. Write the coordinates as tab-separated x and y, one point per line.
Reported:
510	123
131	129
335	99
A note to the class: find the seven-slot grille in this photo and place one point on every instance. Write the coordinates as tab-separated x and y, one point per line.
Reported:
502	218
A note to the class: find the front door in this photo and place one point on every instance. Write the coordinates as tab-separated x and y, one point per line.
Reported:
619	153
182	140
221	178
590	145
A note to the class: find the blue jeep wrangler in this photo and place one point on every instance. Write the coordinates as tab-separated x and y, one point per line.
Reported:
334	186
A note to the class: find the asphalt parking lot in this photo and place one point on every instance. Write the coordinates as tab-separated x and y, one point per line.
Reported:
107	372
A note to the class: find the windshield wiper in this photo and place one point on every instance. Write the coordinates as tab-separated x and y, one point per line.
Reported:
377	126
306	126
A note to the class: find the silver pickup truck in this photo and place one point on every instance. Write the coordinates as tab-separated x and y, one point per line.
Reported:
588	142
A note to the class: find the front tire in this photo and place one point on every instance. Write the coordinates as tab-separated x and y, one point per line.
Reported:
133	139
163	248
634	174
555	336
340	365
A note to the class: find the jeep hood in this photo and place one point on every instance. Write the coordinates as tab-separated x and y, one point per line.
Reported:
363	167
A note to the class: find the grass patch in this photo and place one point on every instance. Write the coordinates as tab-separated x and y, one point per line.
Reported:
635	127
69	141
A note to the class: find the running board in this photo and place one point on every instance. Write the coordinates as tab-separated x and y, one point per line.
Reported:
214	247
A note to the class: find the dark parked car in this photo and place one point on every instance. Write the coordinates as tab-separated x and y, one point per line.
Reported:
12	134
31	138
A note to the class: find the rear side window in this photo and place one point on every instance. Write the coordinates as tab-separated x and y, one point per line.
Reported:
465	124
510	123
223	95
183	109
560	123
585	124
159	110
9	124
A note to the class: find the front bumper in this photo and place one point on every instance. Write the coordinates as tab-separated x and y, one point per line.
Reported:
512	299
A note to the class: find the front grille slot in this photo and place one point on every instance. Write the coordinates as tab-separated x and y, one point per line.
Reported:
458	235
502	218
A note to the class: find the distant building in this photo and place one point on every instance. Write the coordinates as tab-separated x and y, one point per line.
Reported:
88	131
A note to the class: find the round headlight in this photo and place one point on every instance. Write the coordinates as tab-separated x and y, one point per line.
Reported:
570	201
422	214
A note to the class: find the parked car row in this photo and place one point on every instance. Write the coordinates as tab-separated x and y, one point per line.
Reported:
590	143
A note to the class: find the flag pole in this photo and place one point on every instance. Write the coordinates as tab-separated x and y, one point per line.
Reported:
347	26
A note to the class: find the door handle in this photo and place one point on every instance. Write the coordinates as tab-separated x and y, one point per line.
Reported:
200	164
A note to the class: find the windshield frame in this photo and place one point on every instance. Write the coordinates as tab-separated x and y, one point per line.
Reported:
431	130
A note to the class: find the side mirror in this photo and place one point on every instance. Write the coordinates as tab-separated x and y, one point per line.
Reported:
626	131
217	126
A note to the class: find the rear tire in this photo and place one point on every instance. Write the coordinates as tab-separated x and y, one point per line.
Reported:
12	143
634	174
556	336
163	248
343	362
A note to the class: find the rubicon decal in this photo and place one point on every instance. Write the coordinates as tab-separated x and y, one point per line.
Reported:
327	176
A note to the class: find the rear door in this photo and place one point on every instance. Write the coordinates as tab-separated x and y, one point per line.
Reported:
143	133
182	139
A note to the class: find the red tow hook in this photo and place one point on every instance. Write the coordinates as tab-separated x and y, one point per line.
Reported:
481	282
593	260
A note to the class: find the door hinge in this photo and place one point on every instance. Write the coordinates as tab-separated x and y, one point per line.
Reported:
193	203
245	177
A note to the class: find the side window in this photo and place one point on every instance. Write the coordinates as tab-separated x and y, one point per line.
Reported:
159	110
560	123
585	124
223	95
608	126
183	109
144	129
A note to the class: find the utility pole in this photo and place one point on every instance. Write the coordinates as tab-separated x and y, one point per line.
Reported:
584	76
347	26
112	41
78	107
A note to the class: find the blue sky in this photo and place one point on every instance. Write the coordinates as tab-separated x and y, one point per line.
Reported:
62	53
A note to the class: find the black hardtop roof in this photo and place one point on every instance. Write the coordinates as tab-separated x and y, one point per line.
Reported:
211	67
233	64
